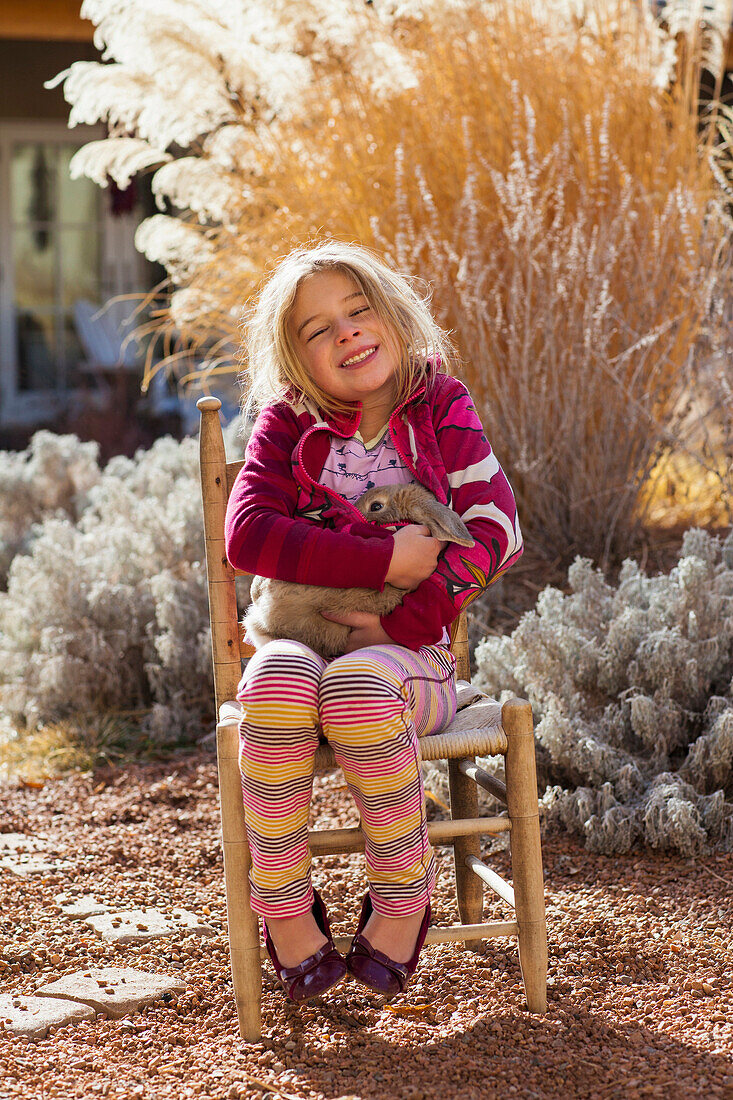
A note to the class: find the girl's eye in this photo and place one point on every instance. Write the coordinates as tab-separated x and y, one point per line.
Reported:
319	331
314	334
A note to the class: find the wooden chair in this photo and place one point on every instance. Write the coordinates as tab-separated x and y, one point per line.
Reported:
512	735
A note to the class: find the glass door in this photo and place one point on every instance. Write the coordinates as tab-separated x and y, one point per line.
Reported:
66	248
55	234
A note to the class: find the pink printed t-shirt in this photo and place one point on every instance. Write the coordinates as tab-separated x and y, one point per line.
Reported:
352	466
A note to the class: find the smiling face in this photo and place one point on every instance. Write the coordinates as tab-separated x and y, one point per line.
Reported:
345	348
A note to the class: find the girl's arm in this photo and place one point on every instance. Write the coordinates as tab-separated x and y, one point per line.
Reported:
262	535
483	498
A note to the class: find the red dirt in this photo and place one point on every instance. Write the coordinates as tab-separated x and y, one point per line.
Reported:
640	969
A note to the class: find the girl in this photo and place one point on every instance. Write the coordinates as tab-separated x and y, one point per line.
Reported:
348	369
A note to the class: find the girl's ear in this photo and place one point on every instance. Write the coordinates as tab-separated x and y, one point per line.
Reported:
444	524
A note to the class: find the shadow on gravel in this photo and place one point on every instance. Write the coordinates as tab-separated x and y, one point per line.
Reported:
569	1053
655	877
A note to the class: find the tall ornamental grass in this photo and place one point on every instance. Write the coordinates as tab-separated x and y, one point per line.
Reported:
574	232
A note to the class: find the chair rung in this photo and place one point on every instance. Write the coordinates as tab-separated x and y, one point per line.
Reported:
439	746
338	841
484	779
457	933
493	881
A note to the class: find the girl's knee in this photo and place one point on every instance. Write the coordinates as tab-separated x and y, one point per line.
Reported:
357	697
282	668
354	677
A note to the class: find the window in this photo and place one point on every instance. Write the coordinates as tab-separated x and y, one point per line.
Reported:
55	235
62	242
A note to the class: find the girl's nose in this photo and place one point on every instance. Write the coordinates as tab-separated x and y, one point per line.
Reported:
347	330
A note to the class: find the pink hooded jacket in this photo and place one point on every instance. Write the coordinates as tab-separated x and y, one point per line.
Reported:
282	523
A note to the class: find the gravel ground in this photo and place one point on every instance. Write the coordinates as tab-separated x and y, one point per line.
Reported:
640	969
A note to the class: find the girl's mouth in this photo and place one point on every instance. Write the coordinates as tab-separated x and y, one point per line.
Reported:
360	357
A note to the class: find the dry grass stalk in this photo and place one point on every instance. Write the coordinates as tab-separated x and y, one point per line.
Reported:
82	742
32	757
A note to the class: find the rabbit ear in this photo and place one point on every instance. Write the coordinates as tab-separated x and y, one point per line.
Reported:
446	525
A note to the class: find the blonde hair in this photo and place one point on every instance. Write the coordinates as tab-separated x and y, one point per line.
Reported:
273	371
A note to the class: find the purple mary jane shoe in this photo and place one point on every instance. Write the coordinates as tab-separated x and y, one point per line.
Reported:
317	973
375	969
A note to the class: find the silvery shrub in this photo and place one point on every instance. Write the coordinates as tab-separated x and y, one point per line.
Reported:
631	688
106	607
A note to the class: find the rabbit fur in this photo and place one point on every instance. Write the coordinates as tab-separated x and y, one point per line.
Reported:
285	609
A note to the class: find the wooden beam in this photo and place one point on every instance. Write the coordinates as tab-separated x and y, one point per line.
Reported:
44	21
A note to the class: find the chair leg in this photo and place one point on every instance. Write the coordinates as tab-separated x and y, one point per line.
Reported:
243	924
521	787
469	888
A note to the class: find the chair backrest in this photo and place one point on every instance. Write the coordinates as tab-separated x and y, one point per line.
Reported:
227	636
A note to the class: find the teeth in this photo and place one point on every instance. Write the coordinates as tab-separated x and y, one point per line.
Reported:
357	358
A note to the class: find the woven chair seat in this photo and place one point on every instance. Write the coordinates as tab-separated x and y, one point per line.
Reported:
476	730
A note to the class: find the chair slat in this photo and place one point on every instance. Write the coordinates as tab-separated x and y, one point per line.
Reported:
462	932
337	841
233	469
484	779
442	746
457	933
459	646
492	880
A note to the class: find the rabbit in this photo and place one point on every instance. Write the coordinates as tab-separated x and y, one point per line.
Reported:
285	609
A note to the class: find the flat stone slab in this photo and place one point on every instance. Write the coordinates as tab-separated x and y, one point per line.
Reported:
141	925
113	991
80	908
33	1016
25	864
19	842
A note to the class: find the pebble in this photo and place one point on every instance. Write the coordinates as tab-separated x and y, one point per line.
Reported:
486	1046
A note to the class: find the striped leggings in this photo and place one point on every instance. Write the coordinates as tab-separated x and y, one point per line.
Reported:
371	705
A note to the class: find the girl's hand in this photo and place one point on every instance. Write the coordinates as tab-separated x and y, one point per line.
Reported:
414	557
366	629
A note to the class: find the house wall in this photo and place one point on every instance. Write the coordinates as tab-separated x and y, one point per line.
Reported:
25	65
28	111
